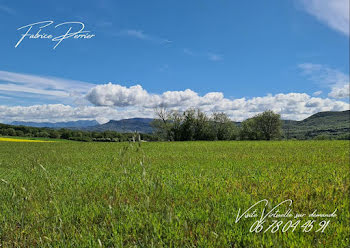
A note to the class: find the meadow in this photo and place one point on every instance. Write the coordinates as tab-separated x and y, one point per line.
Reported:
170	194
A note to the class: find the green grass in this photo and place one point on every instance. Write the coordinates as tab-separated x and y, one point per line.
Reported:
180	194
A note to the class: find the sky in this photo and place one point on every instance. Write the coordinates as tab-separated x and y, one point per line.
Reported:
237	57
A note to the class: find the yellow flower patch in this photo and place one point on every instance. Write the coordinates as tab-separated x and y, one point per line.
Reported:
21	140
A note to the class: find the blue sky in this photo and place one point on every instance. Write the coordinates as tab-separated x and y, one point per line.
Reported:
240	57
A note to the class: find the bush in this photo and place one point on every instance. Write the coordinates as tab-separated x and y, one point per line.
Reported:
322	137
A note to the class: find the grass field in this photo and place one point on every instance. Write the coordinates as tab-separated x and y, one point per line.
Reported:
180	194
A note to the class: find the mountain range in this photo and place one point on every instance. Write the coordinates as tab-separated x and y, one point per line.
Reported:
141	125
68	124
330	123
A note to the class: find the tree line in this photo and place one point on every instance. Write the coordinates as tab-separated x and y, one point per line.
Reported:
68	134
194	124
188	125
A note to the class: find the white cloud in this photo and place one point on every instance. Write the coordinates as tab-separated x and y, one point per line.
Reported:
121	96
295	106
31	90
317	93
113	101
337	81
117	95
334	13
139	34
42	85
60	112
6	97
340	92
291	106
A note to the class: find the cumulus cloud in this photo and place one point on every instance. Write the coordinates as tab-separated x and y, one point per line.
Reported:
334	13
291	106
121	96
117	95
295	106
113	101
334	79
340	92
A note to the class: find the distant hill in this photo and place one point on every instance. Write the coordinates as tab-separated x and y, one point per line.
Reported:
68	124
141	125
329	123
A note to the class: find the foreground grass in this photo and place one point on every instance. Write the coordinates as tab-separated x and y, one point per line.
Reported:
184	194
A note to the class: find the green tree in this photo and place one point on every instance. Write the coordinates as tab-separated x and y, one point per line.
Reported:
162	124
269	125
11	132
54	134
176	120
203	128
19	133
43	134
249	130
65	134
188	125
264	126
224	128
